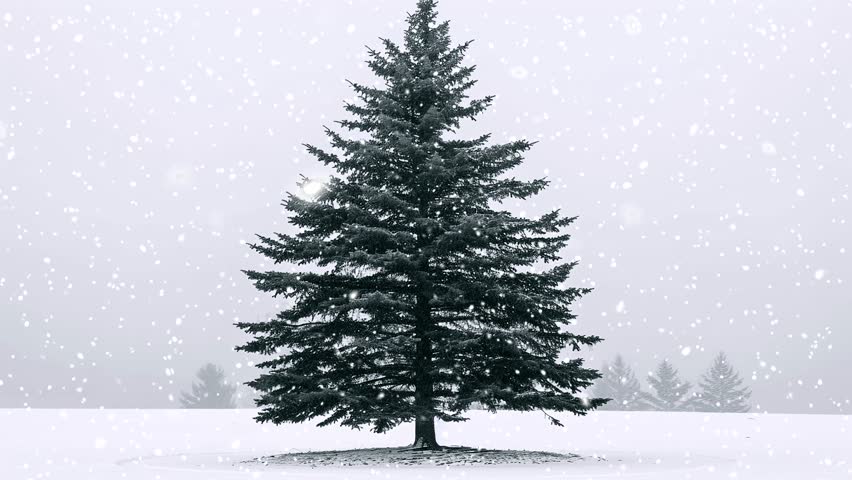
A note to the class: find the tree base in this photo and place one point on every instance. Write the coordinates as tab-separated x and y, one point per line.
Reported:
424	434
408	456
424	444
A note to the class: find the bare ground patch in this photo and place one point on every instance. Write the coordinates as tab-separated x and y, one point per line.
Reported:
407	456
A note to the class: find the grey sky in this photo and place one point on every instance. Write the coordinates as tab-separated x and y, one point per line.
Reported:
704	145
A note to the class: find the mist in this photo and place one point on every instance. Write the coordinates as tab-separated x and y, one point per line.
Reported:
703	146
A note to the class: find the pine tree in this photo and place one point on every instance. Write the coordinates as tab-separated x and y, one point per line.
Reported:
620	385
669	390
418	297
721	389
212	392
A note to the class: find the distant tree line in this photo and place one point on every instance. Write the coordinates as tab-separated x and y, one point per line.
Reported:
720	389
213	390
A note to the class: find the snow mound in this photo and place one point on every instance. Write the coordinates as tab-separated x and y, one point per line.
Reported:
408	456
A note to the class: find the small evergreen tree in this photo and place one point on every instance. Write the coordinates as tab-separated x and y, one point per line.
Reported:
620	385
669	390
721	389
420	297
212	391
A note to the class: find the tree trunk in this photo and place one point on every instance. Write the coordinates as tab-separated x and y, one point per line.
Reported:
424	434
424	423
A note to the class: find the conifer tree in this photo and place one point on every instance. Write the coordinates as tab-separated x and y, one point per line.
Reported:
721	389
620	385
669	390
416	296
212	391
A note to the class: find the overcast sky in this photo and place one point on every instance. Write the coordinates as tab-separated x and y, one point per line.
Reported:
704	144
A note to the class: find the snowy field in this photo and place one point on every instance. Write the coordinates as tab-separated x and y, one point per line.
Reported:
211	444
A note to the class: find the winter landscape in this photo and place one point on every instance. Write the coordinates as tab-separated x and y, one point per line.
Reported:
423	239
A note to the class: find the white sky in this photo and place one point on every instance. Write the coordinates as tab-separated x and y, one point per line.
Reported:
704	145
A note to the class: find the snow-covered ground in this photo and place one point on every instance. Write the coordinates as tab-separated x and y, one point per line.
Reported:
208	444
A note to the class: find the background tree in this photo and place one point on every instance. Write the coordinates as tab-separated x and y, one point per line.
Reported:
417	297
245	396
721	389
669	390
620	385
212	391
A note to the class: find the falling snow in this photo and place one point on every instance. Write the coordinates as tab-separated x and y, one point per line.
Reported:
704	148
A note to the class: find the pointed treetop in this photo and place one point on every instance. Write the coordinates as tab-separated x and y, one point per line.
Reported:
424	35
425	15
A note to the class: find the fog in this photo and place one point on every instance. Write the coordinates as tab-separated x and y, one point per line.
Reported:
704	146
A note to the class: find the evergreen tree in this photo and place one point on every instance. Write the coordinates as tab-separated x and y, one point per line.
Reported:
620	385
669	390
212	391
418	296
721	389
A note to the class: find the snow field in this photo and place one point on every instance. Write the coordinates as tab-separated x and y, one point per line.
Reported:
221	444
